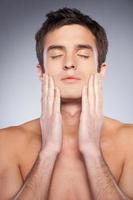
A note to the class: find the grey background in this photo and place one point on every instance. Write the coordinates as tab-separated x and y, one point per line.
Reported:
19	86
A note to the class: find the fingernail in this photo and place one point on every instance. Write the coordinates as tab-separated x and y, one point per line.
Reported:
46	76
51	79
97	76
91	77
85	87
56	90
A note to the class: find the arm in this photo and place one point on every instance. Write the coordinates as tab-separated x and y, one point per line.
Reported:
126	179
37	184
103	185
10	176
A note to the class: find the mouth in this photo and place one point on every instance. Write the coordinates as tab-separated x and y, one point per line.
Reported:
70	79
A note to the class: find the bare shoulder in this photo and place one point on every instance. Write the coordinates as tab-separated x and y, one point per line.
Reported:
123	145
126	137
18	151
120	133
14	136
16	142
125	134
120	127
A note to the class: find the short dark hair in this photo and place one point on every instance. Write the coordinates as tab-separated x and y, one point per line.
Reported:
67	16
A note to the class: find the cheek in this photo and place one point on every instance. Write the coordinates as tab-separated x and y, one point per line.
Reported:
52	67
89	62
52	71
88	69
54	62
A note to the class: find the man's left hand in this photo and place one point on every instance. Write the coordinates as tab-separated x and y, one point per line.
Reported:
91	118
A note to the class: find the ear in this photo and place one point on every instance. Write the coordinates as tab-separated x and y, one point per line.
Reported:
39	72
103	69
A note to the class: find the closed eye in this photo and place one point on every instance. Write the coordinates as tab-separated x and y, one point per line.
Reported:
84	56
57	56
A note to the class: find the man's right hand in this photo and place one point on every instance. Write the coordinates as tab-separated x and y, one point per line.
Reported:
50	120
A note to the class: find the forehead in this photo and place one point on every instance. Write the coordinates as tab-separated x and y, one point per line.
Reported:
69	36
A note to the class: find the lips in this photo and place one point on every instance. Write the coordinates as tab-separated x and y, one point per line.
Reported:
70	78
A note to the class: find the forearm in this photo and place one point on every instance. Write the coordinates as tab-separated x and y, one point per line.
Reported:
102	183
37	183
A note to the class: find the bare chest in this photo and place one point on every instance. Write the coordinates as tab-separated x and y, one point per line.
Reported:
69	180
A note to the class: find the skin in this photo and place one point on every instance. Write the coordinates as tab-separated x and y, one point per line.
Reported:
84	153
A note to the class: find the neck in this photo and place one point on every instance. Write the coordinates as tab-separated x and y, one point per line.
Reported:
70	112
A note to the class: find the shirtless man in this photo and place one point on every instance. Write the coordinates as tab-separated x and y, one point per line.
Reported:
72	152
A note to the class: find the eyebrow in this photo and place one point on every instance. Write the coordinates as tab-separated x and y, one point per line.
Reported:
78	46
84	46
56	47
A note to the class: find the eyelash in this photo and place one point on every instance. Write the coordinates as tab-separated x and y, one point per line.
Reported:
84	56
53	57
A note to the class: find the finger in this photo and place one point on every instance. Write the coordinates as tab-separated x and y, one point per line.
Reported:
50	96
57	101
91	95
99	95
44	94
84	100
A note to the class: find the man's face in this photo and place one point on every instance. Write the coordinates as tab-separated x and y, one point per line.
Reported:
70	45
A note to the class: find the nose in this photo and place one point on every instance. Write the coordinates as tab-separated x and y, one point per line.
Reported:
69	63
69	67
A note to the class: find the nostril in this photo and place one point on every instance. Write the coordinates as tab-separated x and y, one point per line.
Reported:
69	67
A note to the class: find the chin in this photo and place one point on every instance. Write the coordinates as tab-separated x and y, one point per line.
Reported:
70	92
68	96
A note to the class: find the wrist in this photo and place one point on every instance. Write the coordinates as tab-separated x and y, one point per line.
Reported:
51	148
91	150
47	153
